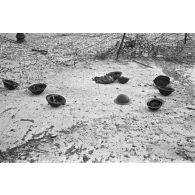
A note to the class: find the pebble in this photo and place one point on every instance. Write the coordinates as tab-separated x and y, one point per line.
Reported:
85	158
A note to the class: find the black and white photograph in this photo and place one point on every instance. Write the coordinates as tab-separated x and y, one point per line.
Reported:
97	97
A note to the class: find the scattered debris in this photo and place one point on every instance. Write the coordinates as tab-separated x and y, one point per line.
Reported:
142	64
85	158
122	99
104	79
151	130
20	37
123	80
165	90
190	107
37	88
43	52
55	100
184	154
29	120
8	110
161	81
10	84
155	103
115	74
111	77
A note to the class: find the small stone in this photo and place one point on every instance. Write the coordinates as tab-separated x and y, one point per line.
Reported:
85	158
90	152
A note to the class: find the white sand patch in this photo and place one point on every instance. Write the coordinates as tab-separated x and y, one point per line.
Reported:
91	119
